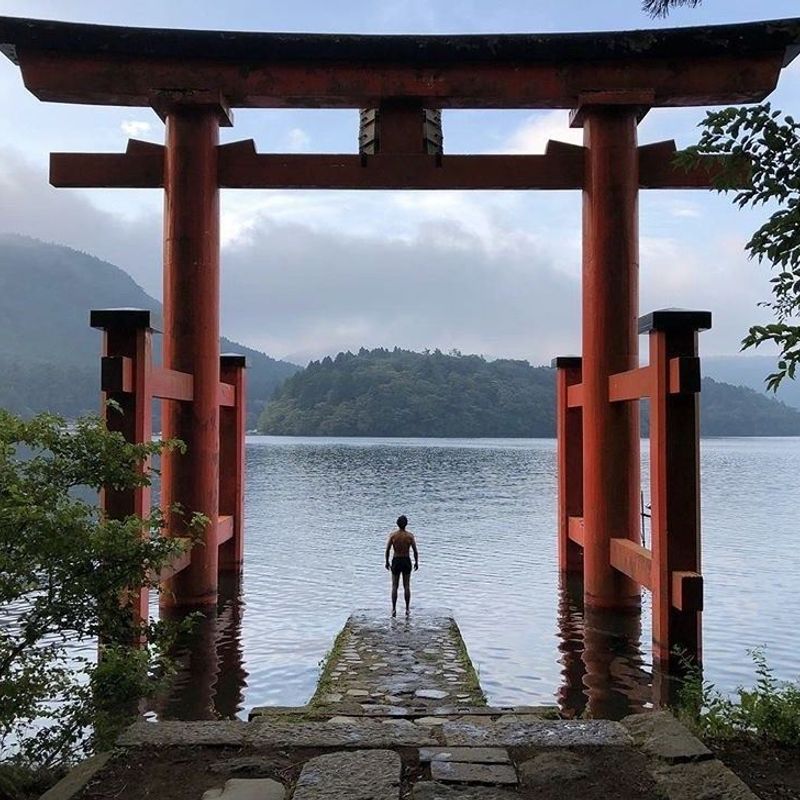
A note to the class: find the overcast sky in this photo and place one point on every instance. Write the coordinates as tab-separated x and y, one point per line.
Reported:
306	274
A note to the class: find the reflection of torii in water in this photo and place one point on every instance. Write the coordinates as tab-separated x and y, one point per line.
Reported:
402	541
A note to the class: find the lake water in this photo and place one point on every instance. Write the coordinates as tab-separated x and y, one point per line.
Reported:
317	515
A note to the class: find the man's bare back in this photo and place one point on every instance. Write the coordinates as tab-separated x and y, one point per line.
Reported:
402	542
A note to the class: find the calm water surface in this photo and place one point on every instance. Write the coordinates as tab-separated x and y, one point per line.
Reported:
317	515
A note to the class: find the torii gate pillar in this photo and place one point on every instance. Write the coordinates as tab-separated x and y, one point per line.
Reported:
191	338
610	345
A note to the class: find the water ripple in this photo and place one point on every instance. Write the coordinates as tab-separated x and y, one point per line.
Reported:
317	515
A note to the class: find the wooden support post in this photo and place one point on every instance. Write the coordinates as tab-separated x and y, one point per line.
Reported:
233	424
191	339
125	379
675	490
570	462
610	345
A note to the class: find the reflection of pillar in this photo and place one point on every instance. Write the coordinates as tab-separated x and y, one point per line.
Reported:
610	345
571	694
232	678
211	676
616	683
191	338
601	657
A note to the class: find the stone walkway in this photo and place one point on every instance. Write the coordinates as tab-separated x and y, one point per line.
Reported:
399	666
399	715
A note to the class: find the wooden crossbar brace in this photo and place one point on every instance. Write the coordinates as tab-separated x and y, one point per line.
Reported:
637	384
116	375
240	166
636	562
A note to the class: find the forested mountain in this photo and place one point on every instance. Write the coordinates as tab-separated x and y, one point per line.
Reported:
401	393
752	370
727	410
49	356
49	360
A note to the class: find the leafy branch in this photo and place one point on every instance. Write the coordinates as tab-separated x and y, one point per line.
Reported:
769	143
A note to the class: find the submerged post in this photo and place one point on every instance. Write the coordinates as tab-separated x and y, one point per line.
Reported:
675	484
610	344
569	436
233	424
191	338
125	371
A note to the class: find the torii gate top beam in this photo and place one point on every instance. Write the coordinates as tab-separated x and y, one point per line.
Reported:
109	65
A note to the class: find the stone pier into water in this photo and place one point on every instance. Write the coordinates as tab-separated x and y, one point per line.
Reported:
399	713
403	666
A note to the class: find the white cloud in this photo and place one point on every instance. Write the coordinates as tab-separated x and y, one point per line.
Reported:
298	140
690	211
539	128
134	127
313	273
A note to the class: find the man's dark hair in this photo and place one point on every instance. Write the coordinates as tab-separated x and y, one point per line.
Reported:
402	521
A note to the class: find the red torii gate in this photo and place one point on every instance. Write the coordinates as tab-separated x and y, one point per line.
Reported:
194	78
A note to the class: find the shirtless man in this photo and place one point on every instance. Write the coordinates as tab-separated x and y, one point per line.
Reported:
402	541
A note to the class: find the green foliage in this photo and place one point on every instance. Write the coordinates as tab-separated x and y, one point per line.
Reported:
400	393
770	710
64	572
769	144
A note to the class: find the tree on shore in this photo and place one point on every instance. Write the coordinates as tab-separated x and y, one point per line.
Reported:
64	570
768	142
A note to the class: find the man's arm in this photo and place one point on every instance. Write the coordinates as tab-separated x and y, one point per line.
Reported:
416	554
388	550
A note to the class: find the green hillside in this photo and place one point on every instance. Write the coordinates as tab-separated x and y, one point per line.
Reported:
402	393
49	356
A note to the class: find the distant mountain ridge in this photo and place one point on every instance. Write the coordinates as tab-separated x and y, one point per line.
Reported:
49	355
751	370
402	393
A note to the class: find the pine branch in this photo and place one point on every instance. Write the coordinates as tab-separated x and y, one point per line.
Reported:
661	8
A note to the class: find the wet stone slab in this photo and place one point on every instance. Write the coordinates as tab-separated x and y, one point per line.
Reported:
661	735
342	732
482	732
418	662
468	755
432	790
458	772
247	789
360	775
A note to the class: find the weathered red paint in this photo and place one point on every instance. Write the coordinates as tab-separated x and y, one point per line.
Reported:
133	81
191	339
610	345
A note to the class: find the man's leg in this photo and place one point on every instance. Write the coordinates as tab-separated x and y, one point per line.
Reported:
395	582
407	589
